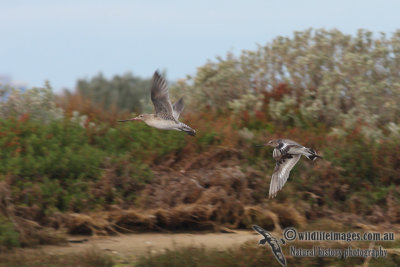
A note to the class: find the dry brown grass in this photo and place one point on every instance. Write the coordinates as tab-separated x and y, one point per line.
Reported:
31	233
288	215
207	192
262	217
96	224
128	220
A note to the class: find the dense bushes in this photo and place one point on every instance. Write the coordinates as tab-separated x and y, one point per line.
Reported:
318	88
38	103
63	166
9	237
339	80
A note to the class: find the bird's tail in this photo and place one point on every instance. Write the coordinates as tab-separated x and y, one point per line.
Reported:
184	128
312	155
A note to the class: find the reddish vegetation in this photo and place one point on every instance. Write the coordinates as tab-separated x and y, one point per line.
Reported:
220	180
278	92
203	186
75	102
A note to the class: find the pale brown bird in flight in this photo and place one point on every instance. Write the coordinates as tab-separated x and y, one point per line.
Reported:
166	115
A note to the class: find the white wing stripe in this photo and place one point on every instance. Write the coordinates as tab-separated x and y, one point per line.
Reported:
280	176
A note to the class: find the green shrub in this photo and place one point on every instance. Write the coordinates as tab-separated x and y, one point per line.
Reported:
9	237
61	165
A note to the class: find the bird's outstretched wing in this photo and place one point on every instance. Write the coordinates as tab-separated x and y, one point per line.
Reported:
288	146
281	173
177	108
160	98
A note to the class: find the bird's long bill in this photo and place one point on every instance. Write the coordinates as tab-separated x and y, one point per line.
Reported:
261	145
133	119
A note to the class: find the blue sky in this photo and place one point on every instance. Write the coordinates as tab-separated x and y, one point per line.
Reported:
62	41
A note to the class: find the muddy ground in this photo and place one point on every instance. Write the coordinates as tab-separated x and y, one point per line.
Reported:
127	248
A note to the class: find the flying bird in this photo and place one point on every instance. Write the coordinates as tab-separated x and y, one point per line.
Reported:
286	154
166	117
274	243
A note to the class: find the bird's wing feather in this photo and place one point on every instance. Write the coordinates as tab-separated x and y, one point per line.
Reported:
292	149
160	98
289	142
281	173
178	108
298	150
286	145
276	154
